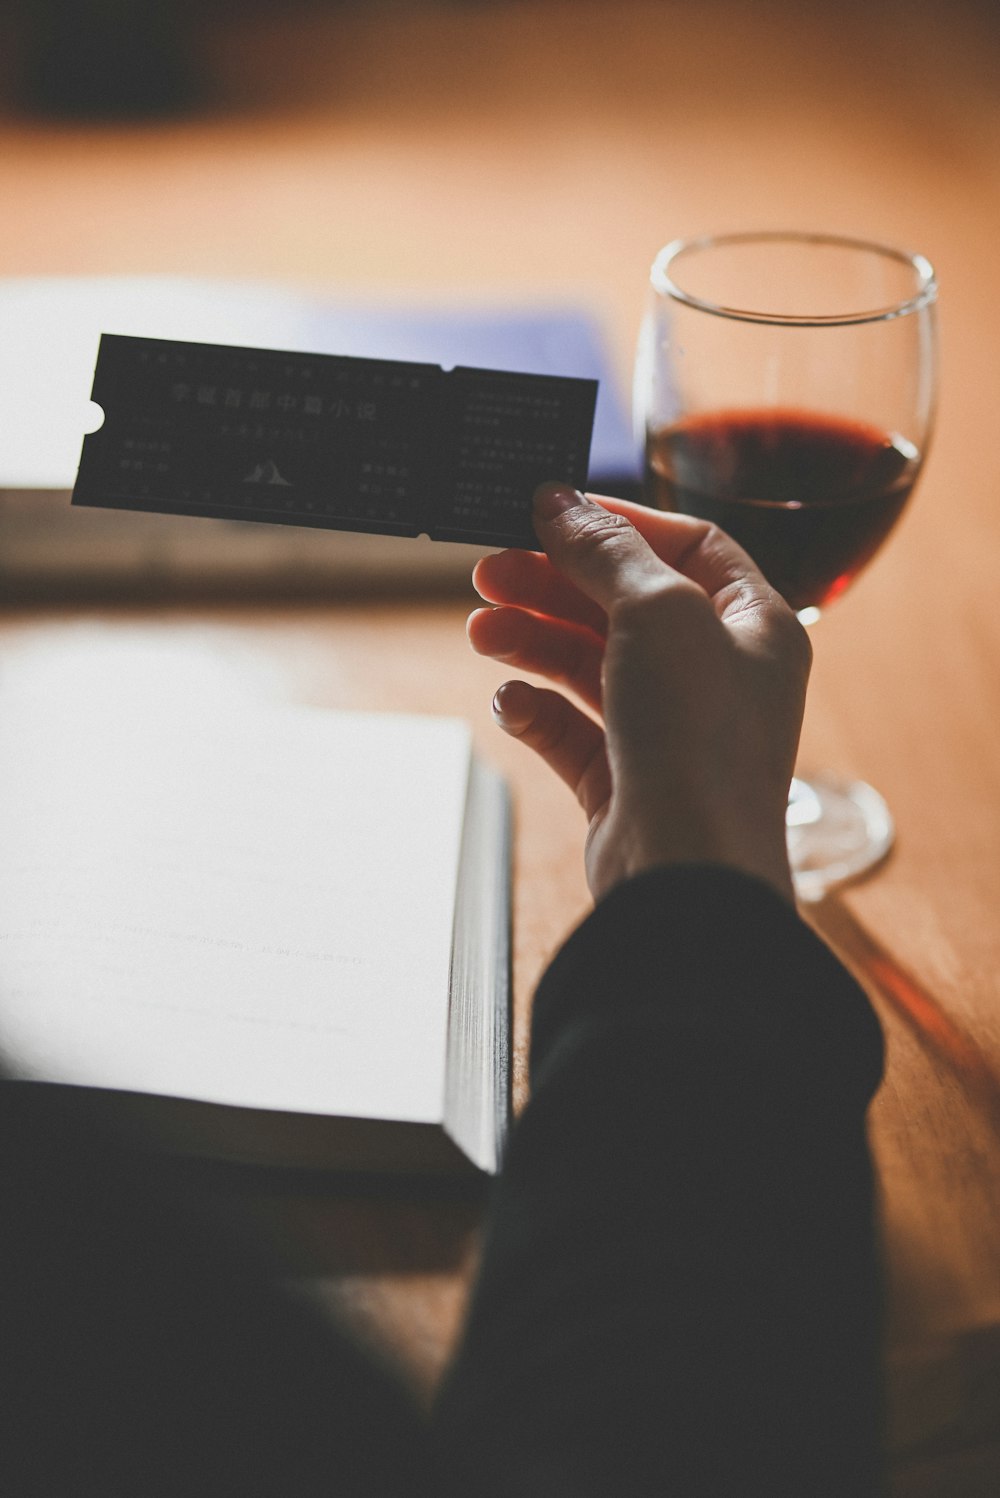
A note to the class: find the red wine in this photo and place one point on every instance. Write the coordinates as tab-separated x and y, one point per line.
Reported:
810	497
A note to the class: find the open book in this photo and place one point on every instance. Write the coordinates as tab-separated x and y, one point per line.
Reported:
276	935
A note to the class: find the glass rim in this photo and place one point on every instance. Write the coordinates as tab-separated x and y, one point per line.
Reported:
665	285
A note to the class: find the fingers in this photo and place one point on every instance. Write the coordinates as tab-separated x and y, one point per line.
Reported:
567	740
547	647
529	580
694	548
600	551
701	552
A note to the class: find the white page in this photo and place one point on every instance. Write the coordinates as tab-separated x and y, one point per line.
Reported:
248	907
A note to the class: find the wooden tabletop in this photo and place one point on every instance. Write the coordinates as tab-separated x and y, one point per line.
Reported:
514	153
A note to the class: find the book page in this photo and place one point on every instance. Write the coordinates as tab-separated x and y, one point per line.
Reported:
245	907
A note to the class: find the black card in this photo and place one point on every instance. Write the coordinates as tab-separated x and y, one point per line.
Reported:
330	441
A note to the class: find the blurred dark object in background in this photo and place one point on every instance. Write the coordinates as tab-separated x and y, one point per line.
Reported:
117	60
105	59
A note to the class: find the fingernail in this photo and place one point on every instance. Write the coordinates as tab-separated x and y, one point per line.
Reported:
502	704
552	498
513	708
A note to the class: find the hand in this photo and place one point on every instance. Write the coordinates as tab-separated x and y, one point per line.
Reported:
665	629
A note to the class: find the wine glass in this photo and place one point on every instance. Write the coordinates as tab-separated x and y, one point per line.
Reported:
785	389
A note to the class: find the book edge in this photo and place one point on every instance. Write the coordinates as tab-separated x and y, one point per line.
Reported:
477	1101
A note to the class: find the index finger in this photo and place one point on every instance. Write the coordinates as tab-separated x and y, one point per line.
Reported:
528	580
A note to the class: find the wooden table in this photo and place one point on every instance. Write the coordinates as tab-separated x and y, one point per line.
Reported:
520	152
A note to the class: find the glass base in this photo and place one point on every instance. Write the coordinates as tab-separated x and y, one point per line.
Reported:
837	831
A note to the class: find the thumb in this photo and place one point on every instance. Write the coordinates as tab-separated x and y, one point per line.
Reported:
598	550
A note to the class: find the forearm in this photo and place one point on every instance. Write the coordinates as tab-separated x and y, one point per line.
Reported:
678	1281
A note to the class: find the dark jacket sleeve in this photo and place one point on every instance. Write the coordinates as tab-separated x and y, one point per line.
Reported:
679	1290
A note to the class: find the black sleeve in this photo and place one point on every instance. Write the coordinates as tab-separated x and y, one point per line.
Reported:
679	1292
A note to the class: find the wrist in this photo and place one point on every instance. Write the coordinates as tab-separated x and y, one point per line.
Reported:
755	847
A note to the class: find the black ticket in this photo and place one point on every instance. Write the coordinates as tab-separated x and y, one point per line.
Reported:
330	441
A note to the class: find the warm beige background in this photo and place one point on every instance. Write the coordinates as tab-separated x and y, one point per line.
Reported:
537	152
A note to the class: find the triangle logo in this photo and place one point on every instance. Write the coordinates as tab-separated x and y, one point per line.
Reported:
266	473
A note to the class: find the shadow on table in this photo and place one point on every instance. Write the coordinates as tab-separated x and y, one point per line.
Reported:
937	1033
332	1223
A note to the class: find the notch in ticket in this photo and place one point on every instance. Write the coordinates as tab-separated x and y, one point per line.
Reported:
330	441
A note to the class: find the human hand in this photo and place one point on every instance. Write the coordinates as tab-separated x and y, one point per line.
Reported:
666	629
